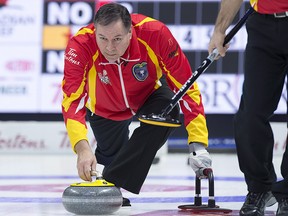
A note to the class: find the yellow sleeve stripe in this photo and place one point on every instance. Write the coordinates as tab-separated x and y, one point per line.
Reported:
254	3
193	94
197	130
76	132
84	31
74	96
176	83
64	94
155	61
147	19
92	84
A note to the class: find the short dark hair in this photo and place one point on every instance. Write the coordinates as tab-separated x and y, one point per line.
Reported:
111	12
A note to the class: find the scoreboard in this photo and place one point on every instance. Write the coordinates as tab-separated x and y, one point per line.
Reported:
192	22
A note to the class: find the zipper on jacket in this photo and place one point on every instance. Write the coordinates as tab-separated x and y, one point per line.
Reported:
123	88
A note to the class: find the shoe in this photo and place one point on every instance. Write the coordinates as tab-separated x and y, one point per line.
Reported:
282	207
156	160
255	203
126	202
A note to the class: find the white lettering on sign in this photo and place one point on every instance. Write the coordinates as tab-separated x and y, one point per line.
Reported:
20	142
54	61
222	93
78	13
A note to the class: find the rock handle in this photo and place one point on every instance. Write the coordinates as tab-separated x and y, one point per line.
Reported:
97	174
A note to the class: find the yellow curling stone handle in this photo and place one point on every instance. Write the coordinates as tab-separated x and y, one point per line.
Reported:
99	182
96	183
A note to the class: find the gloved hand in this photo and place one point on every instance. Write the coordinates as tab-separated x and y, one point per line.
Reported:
199	159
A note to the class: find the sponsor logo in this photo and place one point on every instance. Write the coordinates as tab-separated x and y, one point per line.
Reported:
10	20
69	12
20	66
13	90
71	56
140	71
19	141
174	52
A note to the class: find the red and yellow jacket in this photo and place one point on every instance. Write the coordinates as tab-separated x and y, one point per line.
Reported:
117	91
270	7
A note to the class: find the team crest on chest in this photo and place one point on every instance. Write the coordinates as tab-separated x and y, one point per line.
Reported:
140	71
104	77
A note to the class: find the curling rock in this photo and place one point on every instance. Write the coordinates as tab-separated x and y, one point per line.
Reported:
92	198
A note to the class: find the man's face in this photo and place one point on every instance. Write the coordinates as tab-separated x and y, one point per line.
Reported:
113	39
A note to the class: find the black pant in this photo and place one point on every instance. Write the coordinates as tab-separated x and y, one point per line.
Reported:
127	161
266	65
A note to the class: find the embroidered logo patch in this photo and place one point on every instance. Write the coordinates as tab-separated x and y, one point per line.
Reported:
104	77
140	71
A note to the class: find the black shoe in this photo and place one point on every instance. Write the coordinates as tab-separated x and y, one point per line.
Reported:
126	202
156	160
282	207
255	203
